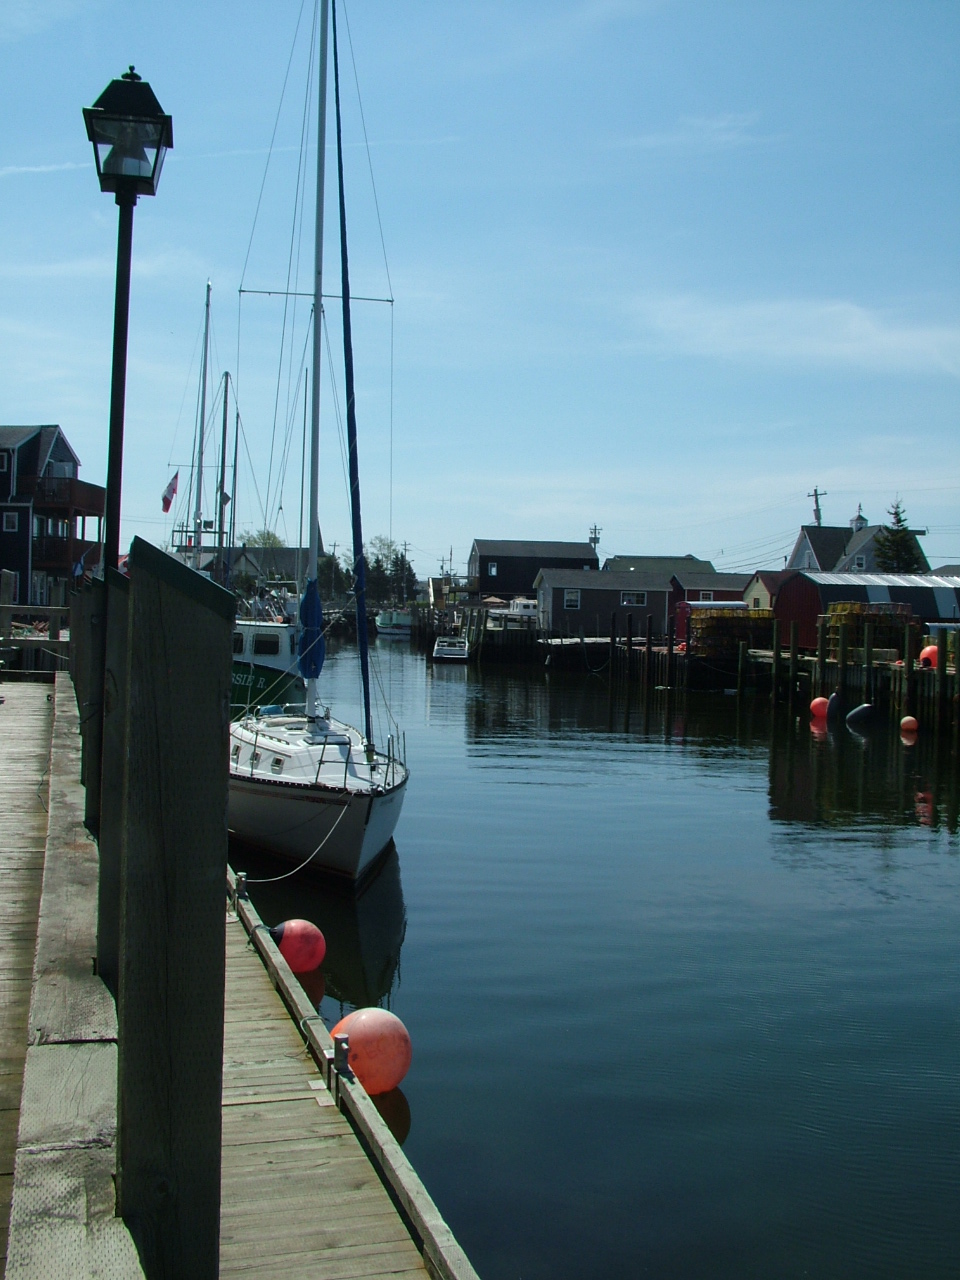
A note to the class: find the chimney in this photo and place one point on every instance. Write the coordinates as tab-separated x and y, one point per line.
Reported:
859	521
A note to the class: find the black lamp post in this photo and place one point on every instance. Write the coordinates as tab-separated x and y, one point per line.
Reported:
130	136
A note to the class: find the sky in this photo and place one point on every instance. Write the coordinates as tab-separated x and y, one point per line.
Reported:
659	267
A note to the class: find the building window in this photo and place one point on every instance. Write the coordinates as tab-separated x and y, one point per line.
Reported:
588	567
4	464
492	568
706	595
632	597
756	602
571	598
11	521
860	562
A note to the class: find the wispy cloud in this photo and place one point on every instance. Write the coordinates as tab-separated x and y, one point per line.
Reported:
811	332
15	170
21	18
698	133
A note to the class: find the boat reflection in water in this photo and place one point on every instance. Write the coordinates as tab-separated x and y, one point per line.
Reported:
364	931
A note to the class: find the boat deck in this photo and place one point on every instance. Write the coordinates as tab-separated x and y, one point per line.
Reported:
26	722
299	1195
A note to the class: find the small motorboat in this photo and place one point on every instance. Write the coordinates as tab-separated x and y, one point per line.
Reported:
451	649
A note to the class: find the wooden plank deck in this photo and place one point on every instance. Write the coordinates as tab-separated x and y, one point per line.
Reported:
299	1196
26	721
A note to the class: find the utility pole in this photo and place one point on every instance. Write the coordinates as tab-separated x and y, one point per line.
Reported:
594	538
403	571
816	496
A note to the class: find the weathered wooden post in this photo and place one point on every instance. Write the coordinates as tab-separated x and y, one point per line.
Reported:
671	633
821	654
842	635
792	669
648	656
613	643
91	698
629	644
8	581
941	678
906	687
113	757
173	872
775	665
741	668
868	682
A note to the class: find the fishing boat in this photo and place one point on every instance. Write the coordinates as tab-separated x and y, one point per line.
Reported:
451	649
309	787
395	622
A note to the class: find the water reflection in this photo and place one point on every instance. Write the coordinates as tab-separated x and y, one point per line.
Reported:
364	932
837	778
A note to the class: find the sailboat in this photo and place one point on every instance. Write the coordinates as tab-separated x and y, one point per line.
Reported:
309	787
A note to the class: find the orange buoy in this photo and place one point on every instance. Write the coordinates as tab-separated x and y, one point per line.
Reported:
818	708
909	724
301	944
928	656
380	1051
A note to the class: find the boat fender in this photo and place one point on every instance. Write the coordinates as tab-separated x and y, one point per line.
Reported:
928	656
300	943
860	717
834	709
379	1051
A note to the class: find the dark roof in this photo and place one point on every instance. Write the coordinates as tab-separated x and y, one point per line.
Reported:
719	581
551	550
13	437
929	595
772	578
657	564
947	570
828	542
589	580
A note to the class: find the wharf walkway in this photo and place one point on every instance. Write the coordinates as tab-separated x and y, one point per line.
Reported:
26	720
306	1159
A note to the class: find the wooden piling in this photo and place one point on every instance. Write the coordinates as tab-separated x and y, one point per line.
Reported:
775	667
907	680
648	656
792	670
821	669
671	633
868	677
113	768
842	637
741	668
629	643
173	871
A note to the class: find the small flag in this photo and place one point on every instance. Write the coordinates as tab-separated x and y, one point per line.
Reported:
170	492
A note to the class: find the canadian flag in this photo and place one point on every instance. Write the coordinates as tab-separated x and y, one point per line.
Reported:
170	492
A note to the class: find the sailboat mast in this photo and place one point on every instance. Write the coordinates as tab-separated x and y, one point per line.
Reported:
197	515
314	504
221	496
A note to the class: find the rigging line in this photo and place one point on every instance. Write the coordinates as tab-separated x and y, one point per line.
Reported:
295	222
186	387
253	470
390	523
273	138
299	293
366	143
288	430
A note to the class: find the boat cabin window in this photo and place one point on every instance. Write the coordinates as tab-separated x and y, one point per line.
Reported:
632	597
238	642
276	765
236	751
266	644
571	598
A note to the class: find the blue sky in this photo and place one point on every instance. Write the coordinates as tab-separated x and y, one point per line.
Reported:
661	267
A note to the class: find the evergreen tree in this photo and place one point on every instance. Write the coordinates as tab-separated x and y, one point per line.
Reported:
895	547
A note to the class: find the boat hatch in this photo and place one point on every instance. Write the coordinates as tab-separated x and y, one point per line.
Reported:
236	751
276	765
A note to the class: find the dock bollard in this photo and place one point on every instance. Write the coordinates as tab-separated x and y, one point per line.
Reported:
341	1050
241	886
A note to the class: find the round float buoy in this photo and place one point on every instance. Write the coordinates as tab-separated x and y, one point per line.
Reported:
928	656
818	708
380	1051
909	724
301	944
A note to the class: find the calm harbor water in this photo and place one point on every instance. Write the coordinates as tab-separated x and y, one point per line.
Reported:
683	986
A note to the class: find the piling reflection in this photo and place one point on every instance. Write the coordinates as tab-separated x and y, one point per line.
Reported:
838	778
364	931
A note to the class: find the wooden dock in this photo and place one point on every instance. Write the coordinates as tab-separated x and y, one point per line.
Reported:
312	1182
26	718
299	1195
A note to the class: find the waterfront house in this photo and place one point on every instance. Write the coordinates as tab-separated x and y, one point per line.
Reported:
844	548
761	591
707	588
50	521
572	602
668	565
507	568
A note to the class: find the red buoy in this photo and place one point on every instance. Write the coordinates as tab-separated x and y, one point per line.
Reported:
818	708
301	944
380	1051
909	724
928	656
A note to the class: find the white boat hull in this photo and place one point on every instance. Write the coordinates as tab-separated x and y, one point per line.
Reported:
295	822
